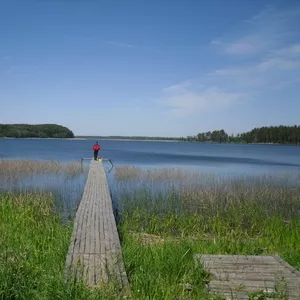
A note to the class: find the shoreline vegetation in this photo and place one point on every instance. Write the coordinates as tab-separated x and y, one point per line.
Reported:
38	138
272	135
35	131
289	135
165	217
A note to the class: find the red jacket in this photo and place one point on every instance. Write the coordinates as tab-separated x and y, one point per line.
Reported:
96	147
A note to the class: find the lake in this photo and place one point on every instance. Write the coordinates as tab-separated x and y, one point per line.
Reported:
223	159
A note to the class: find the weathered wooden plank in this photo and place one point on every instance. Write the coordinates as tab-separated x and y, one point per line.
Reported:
81	233
239	291
286	265
246	260
97	229
235	266
95	250
250	275
215	257
259	284
91	272
98	269
235	276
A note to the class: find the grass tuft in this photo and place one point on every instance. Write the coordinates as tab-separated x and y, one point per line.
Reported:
163	228
33	248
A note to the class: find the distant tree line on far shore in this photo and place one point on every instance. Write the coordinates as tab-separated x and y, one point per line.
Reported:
136	138
35	131
272	135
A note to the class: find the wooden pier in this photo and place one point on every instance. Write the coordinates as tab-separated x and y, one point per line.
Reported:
236	276
95	253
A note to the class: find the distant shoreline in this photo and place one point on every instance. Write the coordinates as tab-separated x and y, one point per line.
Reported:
90	138
36	138
136	140
140	140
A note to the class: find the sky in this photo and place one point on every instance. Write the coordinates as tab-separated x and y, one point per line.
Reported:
150	67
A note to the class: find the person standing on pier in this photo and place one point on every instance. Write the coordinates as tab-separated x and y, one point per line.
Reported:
96	149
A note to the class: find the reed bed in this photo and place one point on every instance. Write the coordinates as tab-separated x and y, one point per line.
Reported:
33	247
166	216
64	181
164	224
126	173
37	203
17	168
178	177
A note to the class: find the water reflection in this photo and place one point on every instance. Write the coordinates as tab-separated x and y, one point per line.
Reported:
128	182
65	182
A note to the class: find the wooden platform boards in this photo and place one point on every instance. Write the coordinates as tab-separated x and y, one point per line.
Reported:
95	251
235	276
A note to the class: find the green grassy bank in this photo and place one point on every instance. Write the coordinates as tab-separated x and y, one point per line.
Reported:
162	227
161	231
33	247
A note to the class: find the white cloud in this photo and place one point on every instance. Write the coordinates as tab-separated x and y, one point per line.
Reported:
246	45
278	64
223	88
293	51
118	44
22	70
194	98
178	88
273	37
264	32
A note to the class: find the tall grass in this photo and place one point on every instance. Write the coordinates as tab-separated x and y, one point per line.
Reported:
167	216
65	181
258	216
17	168
33	248
35	234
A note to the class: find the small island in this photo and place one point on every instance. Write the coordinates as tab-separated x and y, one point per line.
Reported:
34	131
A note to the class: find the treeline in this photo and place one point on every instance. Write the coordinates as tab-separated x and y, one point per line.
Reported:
142	138
136	138
272	134
35	131
217	136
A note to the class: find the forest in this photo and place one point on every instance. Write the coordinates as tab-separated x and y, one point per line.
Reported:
269	135
35	131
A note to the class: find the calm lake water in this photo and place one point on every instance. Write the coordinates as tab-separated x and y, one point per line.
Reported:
225	159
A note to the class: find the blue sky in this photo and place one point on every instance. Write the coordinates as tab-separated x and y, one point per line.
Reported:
151	67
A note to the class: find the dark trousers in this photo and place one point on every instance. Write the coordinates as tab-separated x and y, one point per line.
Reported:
96	154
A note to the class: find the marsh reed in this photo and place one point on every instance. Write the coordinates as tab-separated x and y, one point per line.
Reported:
169	215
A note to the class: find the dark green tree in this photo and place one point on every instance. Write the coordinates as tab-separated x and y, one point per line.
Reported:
35	131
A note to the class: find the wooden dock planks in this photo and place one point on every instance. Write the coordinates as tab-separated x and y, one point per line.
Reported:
95	251
235	276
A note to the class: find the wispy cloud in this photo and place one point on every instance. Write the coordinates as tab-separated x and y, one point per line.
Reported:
263	32
178	88
20	71
189	101
119	44
292	51
246	45
125	45
6	58
271	38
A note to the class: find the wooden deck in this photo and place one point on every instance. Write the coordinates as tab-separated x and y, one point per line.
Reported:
235	276
95	251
